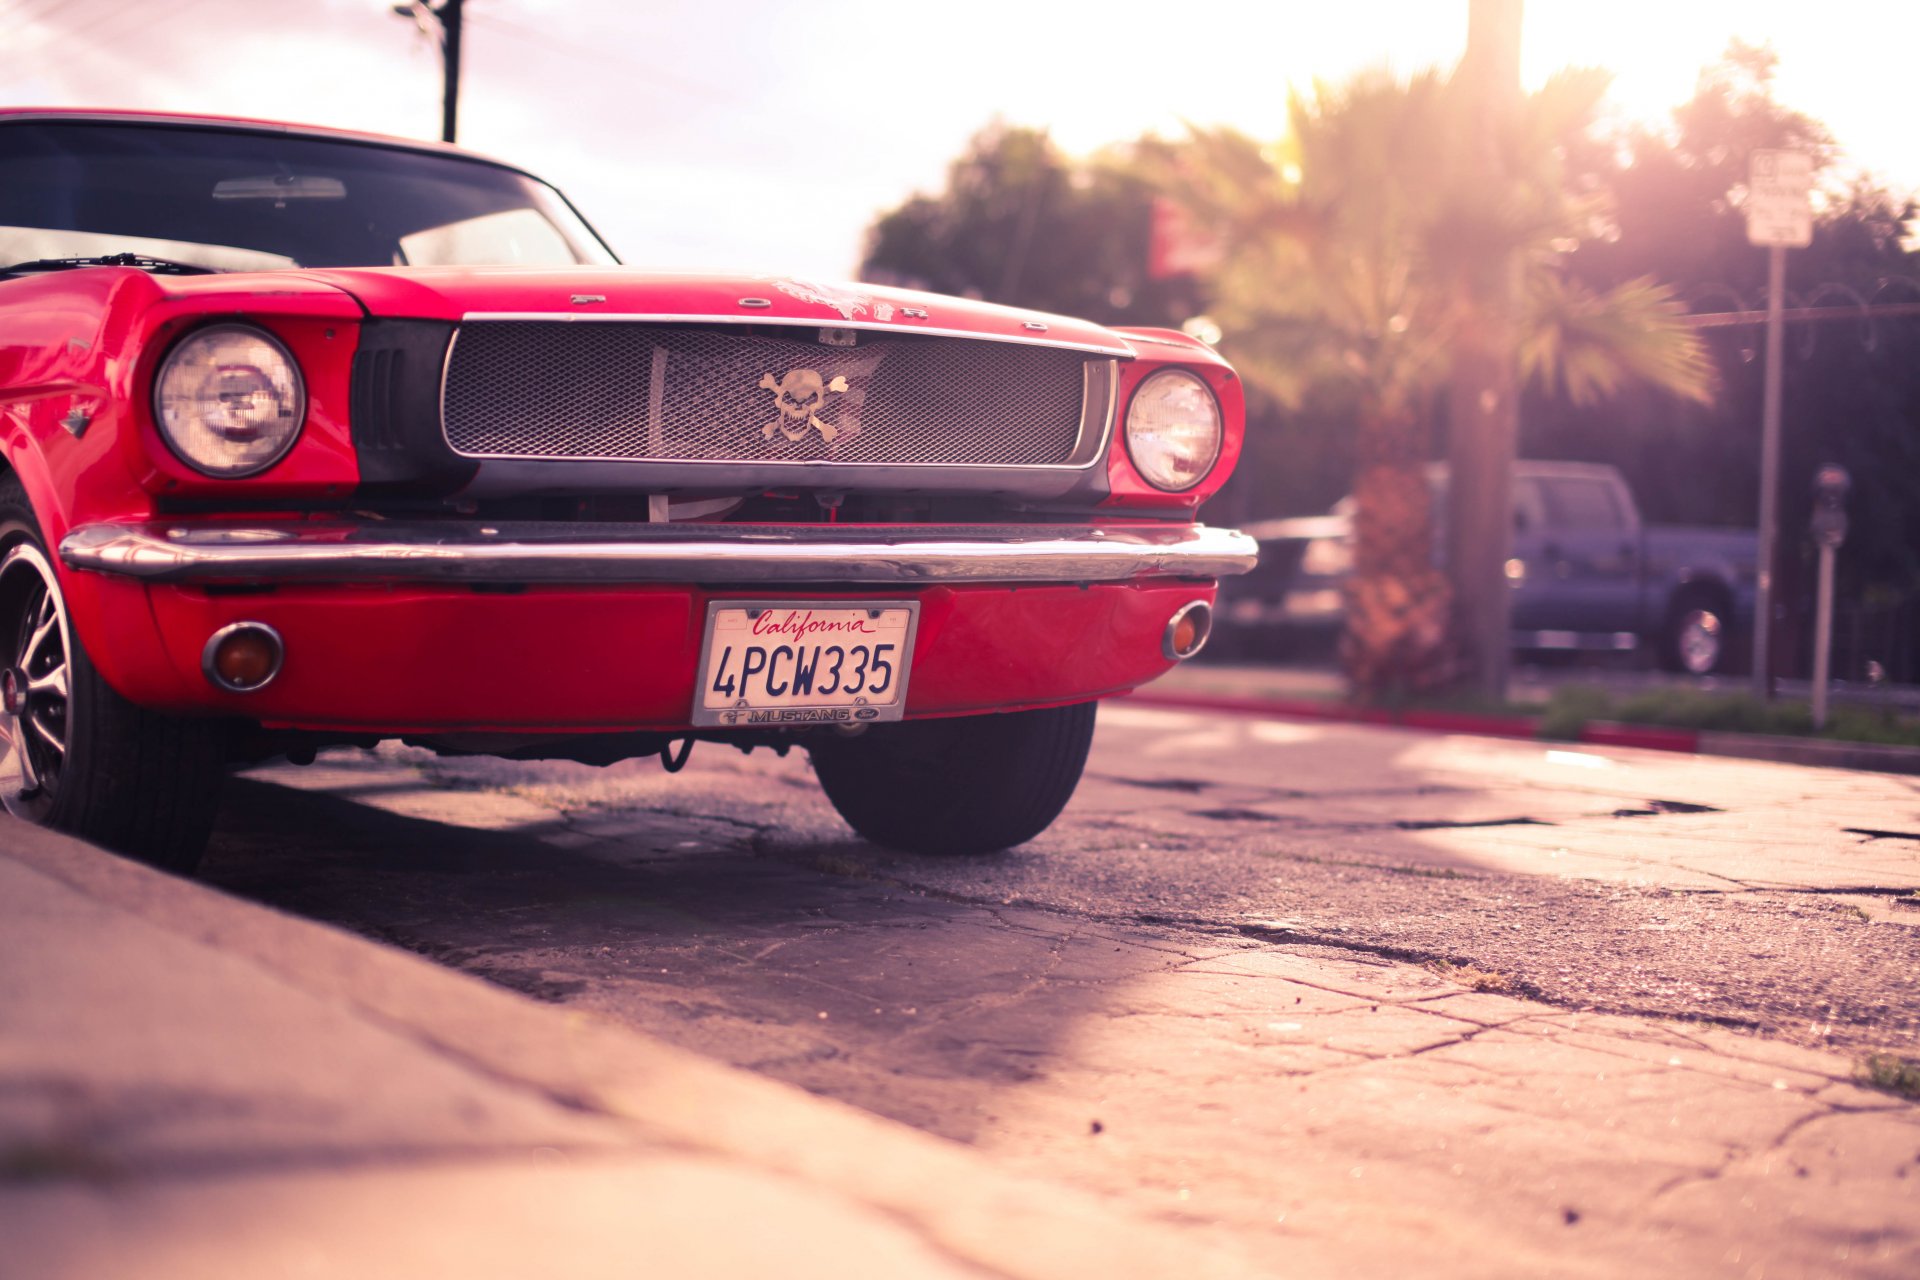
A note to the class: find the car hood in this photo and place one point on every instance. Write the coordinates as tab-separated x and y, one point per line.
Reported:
623	293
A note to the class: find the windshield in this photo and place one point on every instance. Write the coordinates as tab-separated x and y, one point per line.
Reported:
233	200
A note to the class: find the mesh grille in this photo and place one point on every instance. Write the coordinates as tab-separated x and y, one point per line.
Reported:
530	389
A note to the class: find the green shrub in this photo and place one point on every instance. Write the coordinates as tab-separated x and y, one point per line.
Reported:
1572	707
1891	1073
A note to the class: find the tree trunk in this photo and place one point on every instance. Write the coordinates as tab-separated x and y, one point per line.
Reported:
1397	603
1483	401
1482	426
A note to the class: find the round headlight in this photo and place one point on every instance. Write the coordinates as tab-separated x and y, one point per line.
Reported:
230	401
1173	430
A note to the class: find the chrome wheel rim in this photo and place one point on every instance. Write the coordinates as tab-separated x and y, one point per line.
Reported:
1699	640
33	715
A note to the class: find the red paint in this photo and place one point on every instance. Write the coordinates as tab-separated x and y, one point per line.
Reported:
1645	736
407	659
1157	349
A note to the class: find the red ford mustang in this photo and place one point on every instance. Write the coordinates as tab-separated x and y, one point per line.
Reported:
313	438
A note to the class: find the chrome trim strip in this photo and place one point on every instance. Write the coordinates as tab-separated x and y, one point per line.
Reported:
446	378
1118	350
1109	388
394	551
656	405
1205	612
213	675
1058	488
1622	641
1164	342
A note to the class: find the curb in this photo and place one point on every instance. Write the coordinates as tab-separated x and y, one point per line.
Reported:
1488	726
1821	752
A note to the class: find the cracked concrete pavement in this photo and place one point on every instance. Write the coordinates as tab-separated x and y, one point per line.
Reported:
196	1087
1348	997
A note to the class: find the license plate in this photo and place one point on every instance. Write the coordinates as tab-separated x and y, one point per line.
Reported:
799	664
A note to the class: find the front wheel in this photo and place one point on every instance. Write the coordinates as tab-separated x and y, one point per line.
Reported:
76	755
970	784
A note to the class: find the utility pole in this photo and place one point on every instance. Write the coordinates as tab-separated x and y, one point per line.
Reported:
445	31
1483	401
1779	217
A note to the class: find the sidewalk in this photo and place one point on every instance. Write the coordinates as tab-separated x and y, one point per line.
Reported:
193	1086
1298	693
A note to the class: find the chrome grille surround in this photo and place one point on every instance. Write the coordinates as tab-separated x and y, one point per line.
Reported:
611	390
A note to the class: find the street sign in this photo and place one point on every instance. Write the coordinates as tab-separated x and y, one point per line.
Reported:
1178	247
1780	199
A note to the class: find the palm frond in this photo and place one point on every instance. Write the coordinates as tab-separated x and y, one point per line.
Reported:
1592	344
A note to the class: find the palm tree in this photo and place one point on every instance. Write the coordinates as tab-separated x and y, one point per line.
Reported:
1354	255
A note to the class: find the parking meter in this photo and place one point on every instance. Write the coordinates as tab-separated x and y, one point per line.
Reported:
1830	485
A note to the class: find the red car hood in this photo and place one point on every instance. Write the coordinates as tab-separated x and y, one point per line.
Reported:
454	293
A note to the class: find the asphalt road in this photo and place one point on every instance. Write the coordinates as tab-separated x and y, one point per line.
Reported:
1253	962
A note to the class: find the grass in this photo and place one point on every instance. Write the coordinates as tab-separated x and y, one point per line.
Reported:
1572	707
1470	977
1890	1073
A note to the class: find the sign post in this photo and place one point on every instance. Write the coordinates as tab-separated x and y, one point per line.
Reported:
1779	217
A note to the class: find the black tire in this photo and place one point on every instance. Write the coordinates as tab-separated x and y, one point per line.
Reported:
77	756
966	785
1697	638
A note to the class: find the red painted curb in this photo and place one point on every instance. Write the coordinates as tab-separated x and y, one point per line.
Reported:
1599	734
1487	726
1286	709
1604	734
1302	709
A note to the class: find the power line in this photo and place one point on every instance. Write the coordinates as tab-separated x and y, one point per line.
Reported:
23	12
103	19
152	17
599	57
1730	319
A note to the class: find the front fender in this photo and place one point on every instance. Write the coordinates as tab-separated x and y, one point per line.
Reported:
112	619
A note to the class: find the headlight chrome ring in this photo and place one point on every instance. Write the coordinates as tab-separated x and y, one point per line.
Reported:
1174	430
229	400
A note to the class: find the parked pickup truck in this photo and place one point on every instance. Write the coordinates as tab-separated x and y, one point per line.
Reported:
1586	573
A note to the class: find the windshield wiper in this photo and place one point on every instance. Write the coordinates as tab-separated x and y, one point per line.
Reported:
158	266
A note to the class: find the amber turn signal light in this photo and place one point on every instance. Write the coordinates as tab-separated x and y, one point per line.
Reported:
1187	631
243	657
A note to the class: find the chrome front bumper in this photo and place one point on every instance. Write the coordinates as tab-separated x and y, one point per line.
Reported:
396	551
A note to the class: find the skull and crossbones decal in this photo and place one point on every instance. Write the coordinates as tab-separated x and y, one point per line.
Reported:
800	396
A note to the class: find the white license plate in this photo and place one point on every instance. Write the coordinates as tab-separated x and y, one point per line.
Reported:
798	664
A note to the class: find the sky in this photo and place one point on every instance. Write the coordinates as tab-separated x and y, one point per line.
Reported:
766	135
